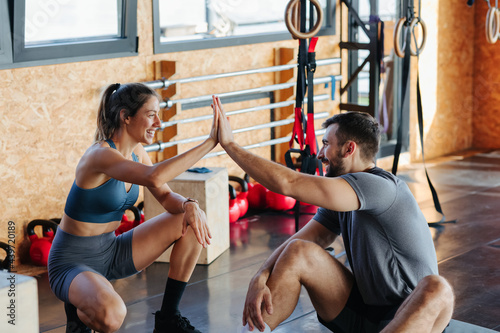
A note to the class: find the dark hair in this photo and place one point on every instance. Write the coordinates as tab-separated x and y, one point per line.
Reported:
359	127
129	97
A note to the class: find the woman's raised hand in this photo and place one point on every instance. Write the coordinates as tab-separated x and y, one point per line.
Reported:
214	132
225	133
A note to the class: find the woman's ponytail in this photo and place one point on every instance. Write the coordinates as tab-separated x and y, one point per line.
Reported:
103	114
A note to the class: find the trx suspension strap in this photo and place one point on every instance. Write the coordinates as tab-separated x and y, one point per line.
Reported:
410	22
303	130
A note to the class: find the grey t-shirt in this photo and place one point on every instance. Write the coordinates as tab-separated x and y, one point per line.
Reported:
388	243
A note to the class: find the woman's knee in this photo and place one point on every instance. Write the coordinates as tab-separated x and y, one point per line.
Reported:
107	312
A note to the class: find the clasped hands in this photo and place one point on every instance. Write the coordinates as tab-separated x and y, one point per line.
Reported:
221	129
259	296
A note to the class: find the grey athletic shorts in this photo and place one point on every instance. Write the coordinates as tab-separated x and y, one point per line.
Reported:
106	254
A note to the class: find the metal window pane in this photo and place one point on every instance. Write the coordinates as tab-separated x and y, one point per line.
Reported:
181	21
87	42
69	20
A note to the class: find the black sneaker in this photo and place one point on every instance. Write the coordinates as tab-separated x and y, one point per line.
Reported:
176	324
74	324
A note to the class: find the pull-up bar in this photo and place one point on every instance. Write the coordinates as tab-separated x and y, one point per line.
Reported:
166	124
207	98
163	84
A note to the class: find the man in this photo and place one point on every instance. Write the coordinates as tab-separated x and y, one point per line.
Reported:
394	285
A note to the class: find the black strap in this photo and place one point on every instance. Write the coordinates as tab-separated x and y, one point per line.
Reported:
435	198
405	90
408	9
305	82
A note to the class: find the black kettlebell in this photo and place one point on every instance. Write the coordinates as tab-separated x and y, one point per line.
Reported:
7	262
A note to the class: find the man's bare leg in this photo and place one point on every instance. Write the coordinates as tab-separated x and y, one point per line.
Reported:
327	281
428	308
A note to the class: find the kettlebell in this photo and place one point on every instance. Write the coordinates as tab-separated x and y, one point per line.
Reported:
276	201
126	224
241	197
256	194
40	246
6	263
234	208
140	207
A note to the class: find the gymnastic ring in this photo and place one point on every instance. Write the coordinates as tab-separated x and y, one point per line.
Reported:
397	37
292	19
400	49
420	48
492	25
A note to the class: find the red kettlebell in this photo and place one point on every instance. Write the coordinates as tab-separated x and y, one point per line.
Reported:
126	224
256	194
276	201
40	246
241	197
6	263
234	208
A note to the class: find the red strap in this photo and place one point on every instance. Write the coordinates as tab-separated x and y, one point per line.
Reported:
312	44
297	129
311	135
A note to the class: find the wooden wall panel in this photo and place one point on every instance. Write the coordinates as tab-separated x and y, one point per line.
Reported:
446	78
486	97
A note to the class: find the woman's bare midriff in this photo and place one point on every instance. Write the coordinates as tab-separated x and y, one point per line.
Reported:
86	229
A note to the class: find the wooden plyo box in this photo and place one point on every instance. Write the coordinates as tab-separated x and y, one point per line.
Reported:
19	303
211	190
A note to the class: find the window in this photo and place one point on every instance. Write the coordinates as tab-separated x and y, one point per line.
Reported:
389	90
200	24
55	31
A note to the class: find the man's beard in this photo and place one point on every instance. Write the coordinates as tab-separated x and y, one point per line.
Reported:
336	169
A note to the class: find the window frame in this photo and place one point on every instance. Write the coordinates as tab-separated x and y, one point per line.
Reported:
5	34
201	44
73	51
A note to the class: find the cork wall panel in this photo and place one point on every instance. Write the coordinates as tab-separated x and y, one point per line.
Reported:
446	74
486	97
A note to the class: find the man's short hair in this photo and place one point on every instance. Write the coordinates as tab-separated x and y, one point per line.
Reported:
359	127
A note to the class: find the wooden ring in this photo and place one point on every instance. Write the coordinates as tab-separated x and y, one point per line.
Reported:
399	49
486	26
492	25
292	19
413	24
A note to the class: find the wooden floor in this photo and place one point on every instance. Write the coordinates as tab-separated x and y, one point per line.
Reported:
468	253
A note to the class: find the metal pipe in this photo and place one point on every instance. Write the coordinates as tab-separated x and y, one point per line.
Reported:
166	124
159	146
160	84
262	144
274	87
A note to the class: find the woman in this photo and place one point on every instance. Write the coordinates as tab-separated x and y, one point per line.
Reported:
85	253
